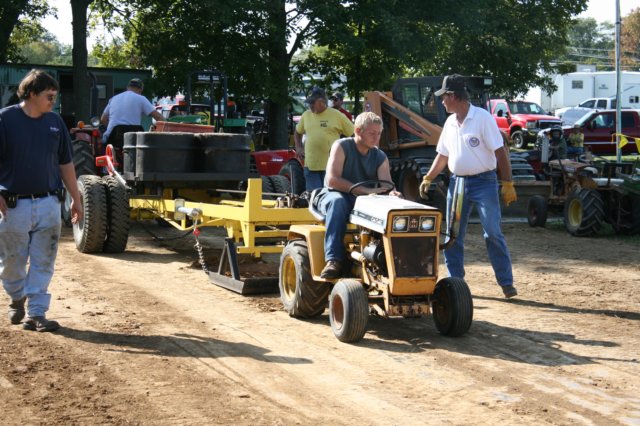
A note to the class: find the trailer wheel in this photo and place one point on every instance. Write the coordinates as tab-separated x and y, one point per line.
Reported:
89	233
84	163
294	172
452	307
118	219
583	213
349	310
281	184
518	140
301	296
537	211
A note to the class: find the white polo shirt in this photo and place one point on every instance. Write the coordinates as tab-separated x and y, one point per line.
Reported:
470	147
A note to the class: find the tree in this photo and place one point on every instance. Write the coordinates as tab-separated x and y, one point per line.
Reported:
630	41
24	16
589	43
81	89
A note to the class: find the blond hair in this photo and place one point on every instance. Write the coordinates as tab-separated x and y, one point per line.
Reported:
364	119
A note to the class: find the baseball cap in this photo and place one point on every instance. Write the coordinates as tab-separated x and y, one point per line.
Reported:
136	82
316	93
337	95
451	83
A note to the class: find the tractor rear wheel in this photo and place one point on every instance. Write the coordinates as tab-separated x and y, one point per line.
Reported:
635	215
294	172
301	296
89	232
537	211
118	219
267	186
349	310
281	184
518	139
583	213
452	307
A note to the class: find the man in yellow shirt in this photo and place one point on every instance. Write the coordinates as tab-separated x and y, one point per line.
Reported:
322	126
576	142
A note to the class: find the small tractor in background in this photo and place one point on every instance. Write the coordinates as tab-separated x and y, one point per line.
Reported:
590	195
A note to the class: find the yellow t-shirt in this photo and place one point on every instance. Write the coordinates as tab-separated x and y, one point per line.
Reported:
322	130
576	139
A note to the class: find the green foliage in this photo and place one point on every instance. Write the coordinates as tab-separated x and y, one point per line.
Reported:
590	43
630	40
20	23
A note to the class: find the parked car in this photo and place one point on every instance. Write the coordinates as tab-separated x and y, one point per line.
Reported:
599	127
570	115
521	120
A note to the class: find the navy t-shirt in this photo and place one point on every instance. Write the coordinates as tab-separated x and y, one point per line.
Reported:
32	150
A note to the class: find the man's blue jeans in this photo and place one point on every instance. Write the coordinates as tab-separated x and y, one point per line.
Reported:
481	191
313	179
336	206
30	233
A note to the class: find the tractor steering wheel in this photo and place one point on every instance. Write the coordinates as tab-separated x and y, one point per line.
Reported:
385	185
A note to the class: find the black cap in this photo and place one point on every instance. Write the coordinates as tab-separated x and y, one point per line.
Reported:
337	95
316	93
136	82
452	83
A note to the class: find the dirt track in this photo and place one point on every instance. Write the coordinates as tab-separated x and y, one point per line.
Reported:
148	340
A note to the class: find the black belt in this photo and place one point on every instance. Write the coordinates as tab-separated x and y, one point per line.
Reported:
34	196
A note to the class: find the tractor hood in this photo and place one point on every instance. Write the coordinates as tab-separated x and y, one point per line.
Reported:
372	211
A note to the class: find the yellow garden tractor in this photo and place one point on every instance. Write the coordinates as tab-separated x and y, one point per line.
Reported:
393	248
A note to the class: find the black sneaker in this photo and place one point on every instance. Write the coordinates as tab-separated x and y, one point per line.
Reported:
509	291
332	270
16	310
40	324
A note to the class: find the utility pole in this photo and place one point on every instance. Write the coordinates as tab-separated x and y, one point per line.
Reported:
618	82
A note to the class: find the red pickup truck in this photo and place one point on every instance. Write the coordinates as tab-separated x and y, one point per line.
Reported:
599	126
521	120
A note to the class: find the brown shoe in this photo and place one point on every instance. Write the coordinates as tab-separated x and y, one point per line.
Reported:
16	310
332	270
40	324
509	291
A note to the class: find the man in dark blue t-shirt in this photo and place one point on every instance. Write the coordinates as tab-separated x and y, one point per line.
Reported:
351	160
35	159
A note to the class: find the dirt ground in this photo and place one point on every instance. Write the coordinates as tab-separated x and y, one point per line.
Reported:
147	339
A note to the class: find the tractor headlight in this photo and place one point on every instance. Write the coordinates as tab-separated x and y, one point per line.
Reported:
400	223
427	223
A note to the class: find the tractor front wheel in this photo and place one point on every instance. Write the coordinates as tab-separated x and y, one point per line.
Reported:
537	211
301	296
452	307
349	310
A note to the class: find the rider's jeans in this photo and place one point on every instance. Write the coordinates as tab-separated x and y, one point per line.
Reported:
481	191
336	206
30	233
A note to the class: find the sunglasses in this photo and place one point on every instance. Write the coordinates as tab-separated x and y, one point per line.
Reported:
50	98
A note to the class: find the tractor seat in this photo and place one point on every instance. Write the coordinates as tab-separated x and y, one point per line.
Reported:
314	202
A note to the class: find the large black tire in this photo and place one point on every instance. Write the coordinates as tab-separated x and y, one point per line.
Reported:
583	213
281	184
635	215
349	310
83	158
267	186
89	233
117	216
409	183
295	173
301	296
452	307
84	163
518	140
537	211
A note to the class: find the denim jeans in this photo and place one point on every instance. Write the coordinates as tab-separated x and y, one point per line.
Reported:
481	191
336	206
30	233
313	179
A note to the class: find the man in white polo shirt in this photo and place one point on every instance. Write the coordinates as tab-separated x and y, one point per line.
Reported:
472	147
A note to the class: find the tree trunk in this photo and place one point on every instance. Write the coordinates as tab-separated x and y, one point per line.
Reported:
81	89
278	105
8	19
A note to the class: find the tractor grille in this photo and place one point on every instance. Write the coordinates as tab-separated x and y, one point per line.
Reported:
414	256
545	124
